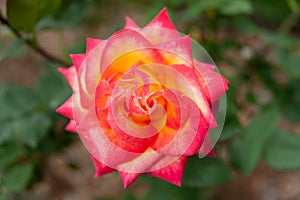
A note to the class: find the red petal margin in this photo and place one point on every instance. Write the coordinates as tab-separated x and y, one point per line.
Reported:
162	20
66	108
71	126
77	60
91	44
101	169
214	84
172	173
130	24
128	178
69	73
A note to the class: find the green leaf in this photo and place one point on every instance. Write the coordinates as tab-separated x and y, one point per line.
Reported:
244	24
235	153
47	7
270	11
9	153
129	196
22	14
64	16
233	7
283	150
19	120
32	129
205	172
289	101
162	190
248	151
15	101
279	40
293	5
3	196
229	130
52	88
17	178
236	7
28	129
290	62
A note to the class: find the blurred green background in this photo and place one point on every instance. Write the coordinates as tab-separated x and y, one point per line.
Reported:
255	44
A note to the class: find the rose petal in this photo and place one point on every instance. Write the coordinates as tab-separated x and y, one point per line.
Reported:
178	51
213	84
71	126
162	20
123	42
160	29
128	178
92	67
188	138
108	124
66	108
199	95
172	173
130	24
70	74
91	44
123	50
77	60
101	169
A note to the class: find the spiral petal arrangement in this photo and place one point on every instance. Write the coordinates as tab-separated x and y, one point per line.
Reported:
142	102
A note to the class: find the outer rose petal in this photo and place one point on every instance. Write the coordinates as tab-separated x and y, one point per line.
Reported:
77	60
201	99
206	148
101	169
172	173
66	108
128	178
162	20
69	73
92	74
130	24
160	29
91	44
213	84
71	126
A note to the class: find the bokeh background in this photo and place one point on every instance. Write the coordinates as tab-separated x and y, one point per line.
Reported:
255	44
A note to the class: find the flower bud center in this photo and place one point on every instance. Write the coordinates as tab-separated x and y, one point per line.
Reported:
144	104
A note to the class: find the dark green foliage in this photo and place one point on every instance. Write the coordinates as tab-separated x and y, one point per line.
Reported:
26	119
282	151
24	14
206	172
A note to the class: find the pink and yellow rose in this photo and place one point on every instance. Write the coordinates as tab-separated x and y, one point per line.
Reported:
141	102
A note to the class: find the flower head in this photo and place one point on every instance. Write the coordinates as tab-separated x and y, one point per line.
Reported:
142	103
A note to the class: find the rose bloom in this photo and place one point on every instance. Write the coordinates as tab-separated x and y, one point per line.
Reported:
141	102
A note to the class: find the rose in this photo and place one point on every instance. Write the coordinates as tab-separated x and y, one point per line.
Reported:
141	102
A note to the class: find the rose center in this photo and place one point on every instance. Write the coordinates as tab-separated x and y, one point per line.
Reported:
144	104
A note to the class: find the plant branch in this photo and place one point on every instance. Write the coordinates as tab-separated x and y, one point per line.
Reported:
33	44
290	22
